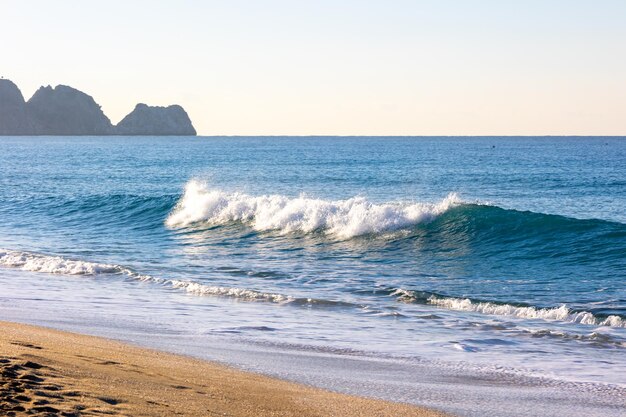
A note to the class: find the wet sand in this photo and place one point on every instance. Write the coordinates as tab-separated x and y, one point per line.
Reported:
52	373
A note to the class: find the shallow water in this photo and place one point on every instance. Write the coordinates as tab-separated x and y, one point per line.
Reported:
500	255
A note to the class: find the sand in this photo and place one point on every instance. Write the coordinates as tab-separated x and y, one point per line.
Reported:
52	373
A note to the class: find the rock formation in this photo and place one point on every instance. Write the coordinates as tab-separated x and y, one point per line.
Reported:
13	117
155	120
64	111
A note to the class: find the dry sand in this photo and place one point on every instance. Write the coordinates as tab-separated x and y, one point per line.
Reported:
51	373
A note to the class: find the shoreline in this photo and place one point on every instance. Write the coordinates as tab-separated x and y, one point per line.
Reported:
51	371
459	390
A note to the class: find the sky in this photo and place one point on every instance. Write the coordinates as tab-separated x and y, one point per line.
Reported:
341	67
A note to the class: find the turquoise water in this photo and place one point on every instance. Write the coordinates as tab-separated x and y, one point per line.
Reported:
485	251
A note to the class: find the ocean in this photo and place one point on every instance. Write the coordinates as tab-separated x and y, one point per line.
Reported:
368	265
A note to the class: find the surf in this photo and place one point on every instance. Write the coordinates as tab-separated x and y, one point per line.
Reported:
345	219
52	264
560	313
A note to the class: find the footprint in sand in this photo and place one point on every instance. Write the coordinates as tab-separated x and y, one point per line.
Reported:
24	344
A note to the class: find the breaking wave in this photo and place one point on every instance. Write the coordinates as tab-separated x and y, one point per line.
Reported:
54	264
561	313
35	262
341	218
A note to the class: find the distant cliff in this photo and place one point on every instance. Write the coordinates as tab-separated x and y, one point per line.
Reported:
149	120
13	117
64	110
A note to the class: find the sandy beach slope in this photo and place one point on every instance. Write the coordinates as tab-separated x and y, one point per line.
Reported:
52	373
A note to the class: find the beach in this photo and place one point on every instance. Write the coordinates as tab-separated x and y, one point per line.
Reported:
437	272
313	209
48	371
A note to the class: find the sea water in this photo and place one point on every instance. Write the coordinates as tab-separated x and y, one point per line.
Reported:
444	256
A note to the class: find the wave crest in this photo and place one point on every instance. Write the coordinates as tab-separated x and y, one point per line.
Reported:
561	313
35	262
53	264
341	218
239	293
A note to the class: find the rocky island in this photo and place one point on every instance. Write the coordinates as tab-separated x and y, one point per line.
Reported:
64	110
155	120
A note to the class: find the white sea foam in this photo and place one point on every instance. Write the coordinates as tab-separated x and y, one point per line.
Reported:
561	313
239	293
52	264
35	262
342	218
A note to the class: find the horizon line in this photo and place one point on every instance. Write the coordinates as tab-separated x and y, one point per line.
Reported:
416	136
336	136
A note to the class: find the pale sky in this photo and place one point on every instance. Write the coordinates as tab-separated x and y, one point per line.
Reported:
465	67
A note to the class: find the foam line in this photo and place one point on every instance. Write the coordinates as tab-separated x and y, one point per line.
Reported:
561	313
35	262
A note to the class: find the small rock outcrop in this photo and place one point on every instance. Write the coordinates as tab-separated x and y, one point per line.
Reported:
13	117
155	120
64	110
